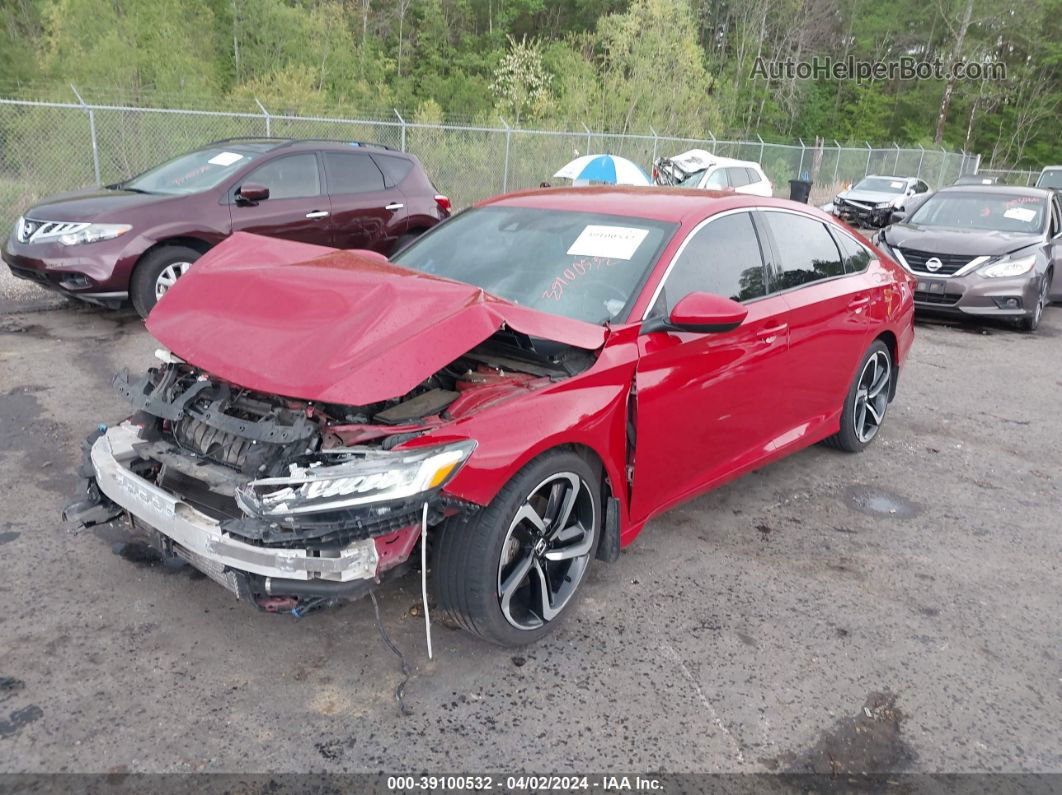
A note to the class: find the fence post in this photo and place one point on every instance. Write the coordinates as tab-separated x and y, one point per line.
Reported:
713	141
977	164
92	132
403	123
761	149
800	168
896	162
836	165
505	167
587	137
870	151
652	163
921	157
268	121
943	165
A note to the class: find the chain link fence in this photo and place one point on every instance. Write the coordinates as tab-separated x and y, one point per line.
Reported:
51	147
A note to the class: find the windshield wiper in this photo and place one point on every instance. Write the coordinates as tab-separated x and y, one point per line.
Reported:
123	186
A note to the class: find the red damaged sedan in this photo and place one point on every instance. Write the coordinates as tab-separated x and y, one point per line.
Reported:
524	388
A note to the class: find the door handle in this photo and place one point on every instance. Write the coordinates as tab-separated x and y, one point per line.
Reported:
317	214
857	304
394	206
769	335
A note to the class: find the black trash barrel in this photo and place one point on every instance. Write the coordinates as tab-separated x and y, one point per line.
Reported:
800	190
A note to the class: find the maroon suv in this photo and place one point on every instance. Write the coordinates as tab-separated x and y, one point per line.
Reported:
133	239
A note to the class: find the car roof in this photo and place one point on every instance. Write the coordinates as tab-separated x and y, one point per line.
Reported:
1014	190
266	144
888	176
1050	168
676	205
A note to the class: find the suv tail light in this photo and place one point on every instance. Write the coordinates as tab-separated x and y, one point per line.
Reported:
443	202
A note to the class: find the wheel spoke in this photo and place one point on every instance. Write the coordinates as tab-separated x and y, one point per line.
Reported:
570	495
878	385
529	514
860	416
512	582
873	412
546	610
576	550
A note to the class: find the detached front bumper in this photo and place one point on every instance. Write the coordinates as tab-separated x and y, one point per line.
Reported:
199	539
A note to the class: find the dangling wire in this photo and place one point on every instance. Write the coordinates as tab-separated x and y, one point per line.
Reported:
401	689
424	575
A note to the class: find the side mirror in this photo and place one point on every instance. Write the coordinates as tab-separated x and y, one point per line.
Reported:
700	313
897	216
252	193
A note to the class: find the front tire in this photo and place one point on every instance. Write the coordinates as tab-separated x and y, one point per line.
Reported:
866	402
156	273
510	572
1031	322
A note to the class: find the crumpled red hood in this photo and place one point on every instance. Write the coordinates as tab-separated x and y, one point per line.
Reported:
334	326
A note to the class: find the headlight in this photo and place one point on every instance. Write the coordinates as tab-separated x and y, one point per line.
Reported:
365	476
1009	267
883	205
93	233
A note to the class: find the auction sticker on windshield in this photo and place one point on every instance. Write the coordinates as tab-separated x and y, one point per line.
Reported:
1020	214
611	242
225	158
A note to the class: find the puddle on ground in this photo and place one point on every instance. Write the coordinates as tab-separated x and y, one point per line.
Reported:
869	743
875	501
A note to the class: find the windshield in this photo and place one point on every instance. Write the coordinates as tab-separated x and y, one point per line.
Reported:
191	173
580	265
693	179
1050	179
881	185
984	211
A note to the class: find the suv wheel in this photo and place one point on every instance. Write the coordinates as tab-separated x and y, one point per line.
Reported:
511	571
156	273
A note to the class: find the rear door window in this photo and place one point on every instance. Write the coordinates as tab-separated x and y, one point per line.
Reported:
290	177
717	179
806	250
739	177
754	176
351	173
856	258
724	258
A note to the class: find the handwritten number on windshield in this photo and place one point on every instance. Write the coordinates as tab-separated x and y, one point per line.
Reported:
574	272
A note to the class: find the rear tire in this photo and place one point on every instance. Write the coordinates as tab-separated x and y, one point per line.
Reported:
867	401
491	569
156	272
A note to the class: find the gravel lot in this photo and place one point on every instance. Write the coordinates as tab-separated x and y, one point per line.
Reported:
897	610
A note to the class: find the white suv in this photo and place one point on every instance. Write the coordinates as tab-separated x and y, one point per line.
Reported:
700	169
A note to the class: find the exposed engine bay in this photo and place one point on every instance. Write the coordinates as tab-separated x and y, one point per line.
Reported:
317	480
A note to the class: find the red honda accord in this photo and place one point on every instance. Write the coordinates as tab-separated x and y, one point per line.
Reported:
522	390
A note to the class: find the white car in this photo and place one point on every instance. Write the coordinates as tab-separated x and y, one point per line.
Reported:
700	169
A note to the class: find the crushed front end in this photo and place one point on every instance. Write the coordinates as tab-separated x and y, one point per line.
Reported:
287	503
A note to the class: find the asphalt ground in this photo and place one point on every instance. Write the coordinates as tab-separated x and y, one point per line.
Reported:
891	611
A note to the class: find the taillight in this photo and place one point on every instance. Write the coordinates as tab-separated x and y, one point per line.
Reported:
443	202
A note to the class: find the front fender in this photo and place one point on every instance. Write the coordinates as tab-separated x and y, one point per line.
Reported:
588	410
